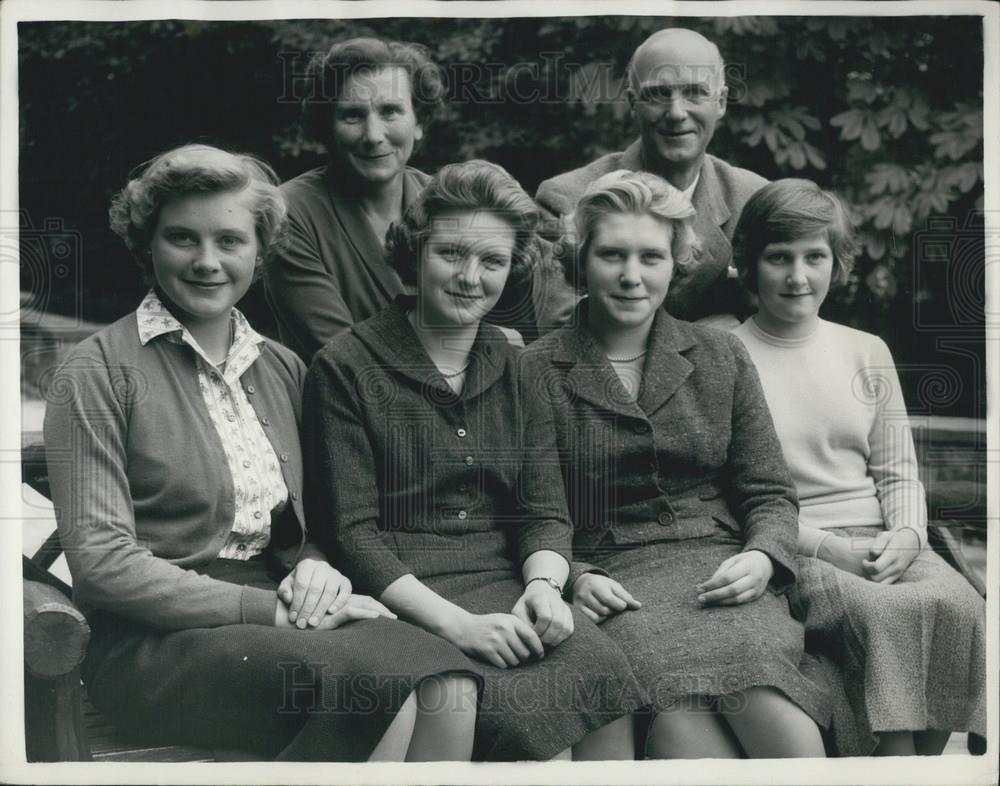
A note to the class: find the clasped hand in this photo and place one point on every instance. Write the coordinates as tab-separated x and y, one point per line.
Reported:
739	579
318	596
540	618
888	554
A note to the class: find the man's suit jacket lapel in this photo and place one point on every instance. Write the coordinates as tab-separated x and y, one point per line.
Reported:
632	157
711	212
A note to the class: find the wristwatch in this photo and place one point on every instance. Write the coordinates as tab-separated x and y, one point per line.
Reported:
548	580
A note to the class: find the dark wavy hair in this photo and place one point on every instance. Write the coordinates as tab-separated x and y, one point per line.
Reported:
329	72
793	209
472	185
197	169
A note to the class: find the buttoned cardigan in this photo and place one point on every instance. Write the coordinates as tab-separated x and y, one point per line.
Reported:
404	476
142	491
694	454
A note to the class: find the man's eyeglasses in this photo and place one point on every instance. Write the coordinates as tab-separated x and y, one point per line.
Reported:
655	100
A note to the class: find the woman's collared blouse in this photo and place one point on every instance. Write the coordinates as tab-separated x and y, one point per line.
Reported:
406	477
696	454
140	482
258	487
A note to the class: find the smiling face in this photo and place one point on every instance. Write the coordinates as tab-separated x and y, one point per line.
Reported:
677	98
465	263
628	268
793	279
204	250
374	125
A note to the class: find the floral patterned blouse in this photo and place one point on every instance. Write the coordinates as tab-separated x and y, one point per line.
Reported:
259	488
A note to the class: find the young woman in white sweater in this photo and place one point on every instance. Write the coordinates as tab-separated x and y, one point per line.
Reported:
906	632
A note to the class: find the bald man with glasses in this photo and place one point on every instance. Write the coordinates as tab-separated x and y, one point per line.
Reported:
677	93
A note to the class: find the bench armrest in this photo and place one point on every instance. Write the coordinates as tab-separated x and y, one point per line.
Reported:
957	501
55	632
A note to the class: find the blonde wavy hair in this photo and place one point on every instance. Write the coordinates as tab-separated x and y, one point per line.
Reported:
629	193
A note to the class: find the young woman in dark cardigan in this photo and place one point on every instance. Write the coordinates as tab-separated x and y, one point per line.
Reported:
172	439
437	480
683	508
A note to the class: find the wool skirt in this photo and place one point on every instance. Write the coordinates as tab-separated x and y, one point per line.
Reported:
678	648
541	707
906	656
276	693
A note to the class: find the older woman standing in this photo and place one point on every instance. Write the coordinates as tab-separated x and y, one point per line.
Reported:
436	476
681	502
176	473
371	102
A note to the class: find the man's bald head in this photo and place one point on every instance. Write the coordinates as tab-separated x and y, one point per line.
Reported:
677	93
670	48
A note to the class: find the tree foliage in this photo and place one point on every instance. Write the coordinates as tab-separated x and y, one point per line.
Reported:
885	110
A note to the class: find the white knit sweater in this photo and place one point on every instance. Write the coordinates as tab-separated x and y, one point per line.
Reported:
839	412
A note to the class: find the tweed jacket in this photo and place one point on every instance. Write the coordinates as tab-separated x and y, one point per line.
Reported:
403	476
695	454
142	490
718	200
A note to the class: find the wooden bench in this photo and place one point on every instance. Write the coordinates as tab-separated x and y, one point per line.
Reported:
61	724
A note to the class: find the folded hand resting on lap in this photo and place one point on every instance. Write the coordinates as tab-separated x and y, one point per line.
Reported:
739	579
356	607
599	597
501	640
313	588
890	554
542	607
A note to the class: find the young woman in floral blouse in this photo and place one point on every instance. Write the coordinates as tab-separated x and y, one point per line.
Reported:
176	473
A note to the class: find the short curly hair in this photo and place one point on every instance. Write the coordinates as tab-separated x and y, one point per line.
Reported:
197	169
632	193
471	185
793	209
329	72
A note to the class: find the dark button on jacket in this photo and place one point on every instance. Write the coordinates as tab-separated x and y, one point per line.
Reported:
393	487
695	456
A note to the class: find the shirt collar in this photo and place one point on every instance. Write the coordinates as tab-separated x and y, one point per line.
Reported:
633	159
689	191
153	320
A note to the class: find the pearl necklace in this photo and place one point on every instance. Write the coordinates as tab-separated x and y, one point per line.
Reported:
628	360
455	373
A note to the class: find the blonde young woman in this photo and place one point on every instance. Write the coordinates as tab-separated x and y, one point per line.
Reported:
684	513
172	438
